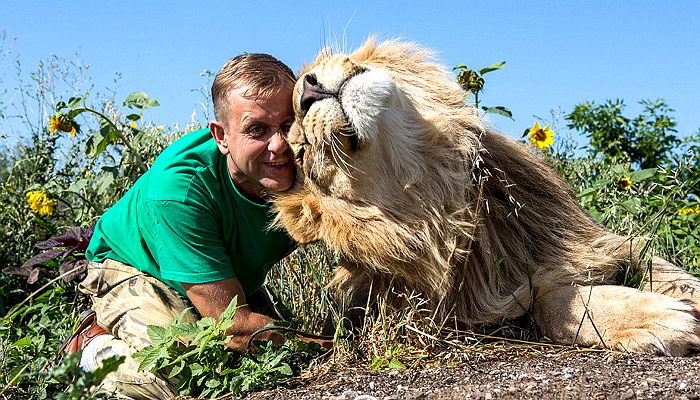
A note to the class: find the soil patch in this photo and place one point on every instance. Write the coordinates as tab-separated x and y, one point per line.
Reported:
529	375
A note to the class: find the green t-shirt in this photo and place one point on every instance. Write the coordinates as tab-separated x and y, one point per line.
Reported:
185	221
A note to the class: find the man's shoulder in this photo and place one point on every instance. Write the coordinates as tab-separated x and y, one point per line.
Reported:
194	149
187	165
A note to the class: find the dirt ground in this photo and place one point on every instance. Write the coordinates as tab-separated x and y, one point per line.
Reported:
512	374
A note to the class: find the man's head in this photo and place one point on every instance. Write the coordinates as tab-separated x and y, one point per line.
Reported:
252	104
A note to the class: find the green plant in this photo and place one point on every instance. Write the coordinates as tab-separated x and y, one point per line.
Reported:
73	383
472	82
196	354
388	360
30	334
642	203
646	140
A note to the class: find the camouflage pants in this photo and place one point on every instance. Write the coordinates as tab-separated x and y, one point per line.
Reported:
126	301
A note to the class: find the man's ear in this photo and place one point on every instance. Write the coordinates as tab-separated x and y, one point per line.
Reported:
219	134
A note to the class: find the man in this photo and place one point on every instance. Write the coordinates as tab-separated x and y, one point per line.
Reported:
193	231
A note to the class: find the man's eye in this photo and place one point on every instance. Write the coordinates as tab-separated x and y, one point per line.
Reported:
255	130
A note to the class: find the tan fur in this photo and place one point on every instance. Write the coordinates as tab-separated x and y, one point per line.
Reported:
429	199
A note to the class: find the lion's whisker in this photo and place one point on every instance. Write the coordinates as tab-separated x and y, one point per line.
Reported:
338	154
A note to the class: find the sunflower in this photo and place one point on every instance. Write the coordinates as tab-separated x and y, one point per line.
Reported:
541	137
624	183
61	122
688	211
40	203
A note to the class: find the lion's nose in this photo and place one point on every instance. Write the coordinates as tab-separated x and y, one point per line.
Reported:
312	92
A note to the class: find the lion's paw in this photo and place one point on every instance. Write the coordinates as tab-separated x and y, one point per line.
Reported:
660	325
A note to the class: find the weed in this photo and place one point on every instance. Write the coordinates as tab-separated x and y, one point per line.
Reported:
195	354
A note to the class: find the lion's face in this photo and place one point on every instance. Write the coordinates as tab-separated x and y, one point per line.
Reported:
342	105
375	139
367	123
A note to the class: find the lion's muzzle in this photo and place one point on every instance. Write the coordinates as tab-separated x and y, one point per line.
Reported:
312	92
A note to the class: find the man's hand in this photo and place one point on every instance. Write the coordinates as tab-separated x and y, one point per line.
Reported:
211	299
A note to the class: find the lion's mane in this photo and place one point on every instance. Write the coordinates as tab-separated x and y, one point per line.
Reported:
446	207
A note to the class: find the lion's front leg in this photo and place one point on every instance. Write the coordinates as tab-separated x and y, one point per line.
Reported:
618	318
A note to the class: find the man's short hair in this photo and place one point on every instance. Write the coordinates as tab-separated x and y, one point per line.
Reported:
263	74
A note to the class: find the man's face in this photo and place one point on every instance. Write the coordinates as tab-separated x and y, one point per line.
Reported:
253	136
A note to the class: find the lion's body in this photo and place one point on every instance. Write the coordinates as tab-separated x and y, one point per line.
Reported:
419	195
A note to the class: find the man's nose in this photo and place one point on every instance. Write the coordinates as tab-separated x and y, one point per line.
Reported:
278	144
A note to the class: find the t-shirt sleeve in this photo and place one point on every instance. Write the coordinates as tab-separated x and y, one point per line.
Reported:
187	241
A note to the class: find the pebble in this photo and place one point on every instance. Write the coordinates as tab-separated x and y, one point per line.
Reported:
365	397
628	394
682	386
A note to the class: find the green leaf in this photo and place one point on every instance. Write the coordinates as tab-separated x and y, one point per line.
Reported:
213	383
140	100
377	363
396	364
103	181
196	369
149	356
227	315
285	369
618	169
206	322
601	182
77	186
75	102
632	205
110	364
133	117
638	176
587	192
499	110
460	66
21	343
597	215
185	330
492	68
177	369
100	140
158	334
16	375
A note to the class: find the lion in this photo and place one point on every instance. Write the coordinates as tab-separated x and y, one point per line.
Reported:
419	195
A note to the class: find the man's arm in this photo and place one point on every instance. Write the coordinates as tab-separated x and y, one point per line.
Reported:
212	298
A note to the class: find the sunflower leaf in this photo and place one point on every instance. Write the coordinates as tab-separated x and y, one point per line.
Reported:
638	176
499	110
493	67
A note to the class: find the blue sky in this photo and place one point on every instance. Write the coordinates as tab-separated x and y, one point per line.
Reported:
558	53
